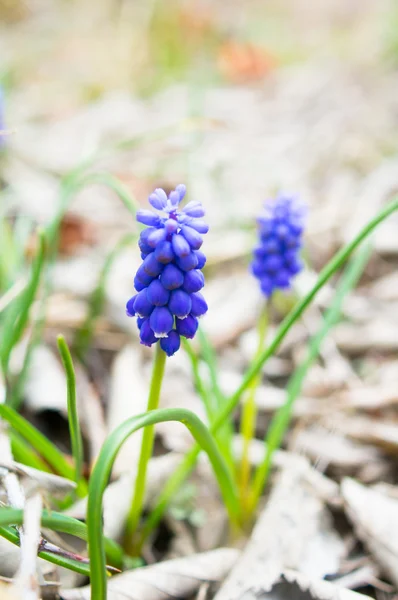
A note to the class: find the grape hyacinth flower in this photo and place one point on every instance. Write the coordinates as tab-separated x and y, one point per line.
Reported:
276	258
168	282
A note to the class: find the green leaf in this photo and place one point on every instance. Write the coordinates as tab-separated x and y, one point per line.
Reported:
102	471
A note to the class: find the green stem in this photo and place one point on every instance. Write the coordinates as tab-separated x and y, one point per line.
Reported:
226	432
281	420
249	414
73	417
103	468
182	472
134	515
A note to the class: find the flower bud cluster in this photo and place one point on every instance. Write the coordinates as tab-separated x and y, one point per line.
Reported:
277	256
168	282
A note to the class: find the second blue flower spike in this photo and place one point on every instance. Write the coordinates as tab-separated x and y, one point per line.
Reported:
277	256
168	302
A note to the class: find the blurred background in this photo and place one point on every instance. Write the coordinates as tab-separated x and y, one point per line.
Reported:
239	100
236	99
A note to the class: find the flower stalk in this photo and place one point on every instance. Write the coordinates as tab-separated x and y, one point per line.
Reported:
133	518
249	414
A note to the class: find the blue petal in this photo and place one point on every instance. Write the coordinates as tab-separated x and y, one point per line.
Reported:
141	305
157	236
193	238
171	344
194	209
164	252
282	231
201	259
147	336
282	279
138	285
157	294
147	217
142	277
200	226
267	286
180	245
171	226
130	312
199	305
273	263
171	277
193	281
186	263
180	303
155	201
257	268
174	198
152	266
181	190
143	246
161	321
161	194
187	327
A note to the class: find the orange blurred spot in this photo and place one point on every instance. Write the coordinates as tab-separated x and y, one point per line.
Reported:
241	62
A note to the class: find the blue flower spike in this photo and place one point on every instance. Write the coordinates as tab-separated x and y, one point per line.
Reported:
168	301
276	258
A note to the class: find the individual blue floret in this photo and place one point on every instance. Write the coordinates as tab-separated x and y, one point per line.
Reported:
168	302
276	258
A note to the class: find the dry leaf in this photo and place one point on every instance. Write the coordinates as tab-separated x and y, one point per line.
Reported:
293	531
91	413
233	302
178	578
375	519
33	479
328	447
45	387
327	489
379	334
383	434
297	586
26	579
370	398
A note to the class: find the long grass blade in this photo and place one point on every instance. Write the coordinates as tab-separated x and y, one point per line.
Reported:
73	417
102	471
18	313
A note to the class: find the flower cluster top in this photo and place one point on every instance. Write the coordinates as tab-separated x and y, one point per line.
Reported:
277	256
168	282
